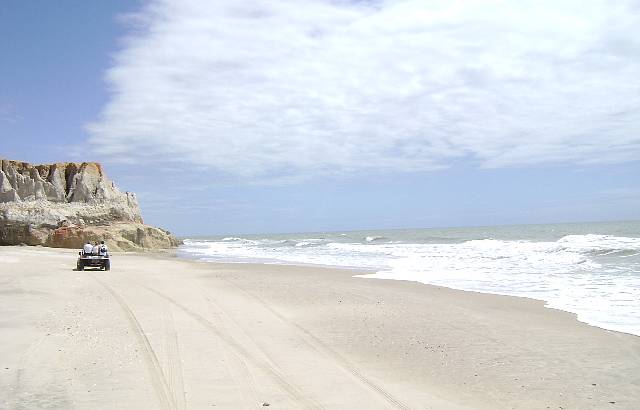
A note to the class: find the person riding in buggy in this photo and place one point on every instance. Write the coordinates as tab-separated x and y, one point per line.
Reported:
95	256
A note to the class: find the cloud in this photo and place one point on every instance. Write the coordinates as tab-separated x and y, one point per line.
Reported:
290	89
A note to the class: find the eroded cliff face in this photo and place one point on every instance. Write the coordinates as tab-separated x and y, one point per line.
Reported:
67	204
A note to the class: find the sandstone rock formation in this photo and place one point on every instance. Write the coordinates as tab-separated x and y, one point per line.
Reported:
66	204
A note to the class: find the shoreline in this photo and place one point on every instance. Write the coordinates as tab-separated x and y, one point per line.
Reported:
363	273
292	336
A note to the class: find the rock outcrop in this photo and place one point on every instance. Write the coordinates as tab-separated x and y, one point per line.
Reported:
66	204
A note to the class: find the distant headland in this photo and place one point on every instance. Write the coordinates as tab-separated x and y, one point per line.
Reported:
63	205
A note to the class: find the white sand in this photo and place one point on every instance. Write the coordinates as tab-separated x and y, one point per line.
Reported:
157	332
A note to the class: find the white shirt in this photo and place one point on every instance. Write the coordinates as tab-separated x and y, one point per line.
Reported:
102	250
88	248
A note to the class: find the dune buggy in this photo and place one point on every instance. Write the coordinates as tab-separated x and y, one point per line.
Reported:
93	261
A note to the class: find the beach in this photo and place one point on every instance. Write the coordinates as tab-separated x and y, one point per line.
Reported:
162	332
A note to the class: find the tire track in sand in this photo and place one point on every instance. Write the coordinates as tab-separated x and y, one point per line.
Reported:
158	380
319	346
269	368
240	372
174	363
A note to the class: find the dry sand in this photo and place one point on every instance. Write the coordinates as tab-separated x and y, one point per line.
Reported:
158	332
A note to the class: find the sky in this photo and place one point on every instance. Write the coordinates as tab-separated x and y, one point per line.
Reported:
236	116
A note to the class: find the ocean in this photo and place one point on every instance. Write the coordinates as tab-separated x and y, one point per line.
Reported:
590	269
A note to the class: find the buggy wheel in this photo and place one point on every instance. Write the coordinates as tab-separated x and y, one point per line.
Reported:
80	265
107	265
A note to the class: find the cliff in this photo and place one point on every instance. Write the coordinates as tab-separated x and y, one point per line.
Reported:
66	204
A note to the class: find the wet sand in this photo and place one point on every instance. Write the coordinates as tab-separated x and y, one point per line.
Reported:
159	332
